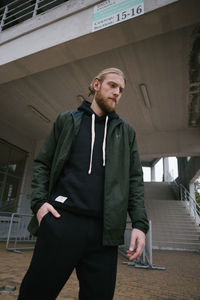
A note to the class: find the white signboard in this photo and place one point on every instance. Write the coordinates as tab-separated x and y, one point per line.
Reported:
111	12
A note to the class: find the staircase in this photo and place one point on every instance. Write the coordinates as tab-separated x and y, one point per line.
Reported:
172	226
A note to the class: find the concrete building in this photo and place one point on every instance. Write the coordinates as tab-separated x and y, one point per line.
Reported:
49	53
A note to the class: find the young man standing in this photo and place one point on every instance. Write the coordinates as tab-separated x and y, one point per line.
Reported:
86	178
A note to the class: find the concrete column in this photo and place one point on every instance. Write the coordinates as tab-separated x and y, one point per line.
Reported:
182	170
153	173
166	174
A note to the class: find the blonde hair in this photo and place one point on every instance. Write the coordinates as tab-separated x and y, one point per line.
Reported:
101	76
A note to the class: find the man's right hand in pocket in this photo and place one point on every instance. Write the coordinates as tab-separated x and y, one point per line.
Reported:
44	209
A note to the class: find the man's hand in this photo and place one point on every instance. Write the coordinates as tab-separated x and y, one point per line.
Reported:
44	209
137	236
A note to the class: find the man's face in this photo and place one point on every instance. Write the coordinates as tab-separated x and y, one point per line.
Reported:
108	92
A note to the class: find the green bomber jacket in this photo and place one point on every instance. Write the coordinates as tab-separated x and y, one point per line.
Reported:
124	188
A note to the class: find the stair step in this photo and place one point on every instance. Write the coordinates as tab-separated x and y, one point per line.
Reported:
172	225
164	230
179	220
177	240
176	248
176	233
196	245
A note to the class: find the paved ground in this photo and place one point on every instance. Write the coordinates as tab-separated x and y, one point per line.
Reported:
180	280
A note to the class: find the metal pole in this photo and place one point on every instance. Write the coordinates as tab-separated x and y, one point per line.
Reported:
3	18
196	213
144	257
9	231
36	8
150	243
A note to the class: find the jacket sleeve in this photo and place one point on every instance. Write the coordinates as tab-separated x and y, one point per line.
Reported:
136	209
42	167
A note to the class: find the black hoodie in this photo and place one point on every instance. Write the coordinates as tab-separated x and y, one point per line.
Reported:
80	188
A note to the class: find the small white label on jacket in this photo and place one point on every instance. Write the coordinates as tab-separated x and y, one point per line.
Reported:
61	199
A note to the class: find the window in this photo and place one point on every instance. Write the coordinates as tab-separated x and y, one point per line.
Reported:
12	163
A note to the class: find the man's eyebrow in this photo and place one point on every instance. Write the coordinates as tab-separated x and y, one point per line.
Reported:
116	84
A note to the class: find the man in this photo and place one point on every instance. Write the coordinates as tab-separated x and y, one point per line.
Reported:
86	177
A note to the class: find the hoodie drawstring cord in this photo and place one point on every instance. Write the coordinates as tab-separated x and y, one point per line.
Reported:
104	141
93	140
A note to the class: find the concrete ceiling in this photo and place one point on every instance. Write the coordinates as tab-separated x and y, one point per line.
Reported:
161	62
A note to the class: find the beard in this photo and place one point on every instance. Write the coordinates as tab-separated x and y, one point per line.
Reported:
104	103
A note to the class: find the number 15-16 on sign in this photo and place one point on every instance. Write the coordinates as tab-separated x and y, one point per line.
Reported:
129	13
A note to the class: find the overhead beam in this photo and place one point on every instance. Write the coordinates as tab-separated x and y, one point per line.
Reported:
169	143
41	46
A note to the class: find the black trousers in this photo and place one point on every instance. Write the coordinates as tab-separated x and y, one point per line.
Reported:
64	244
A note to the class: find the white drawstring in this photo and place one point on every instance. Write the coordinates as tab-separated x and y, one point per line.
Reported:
92	142
104	142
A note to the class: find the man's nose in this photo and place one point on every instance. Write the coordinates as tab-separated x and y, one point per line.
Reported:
116	91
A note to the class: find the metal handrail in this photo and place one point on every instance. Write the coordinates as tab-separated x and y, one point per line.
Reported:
18	233
44	5
9	4
191	203
175	188
20	5
17	11
146	259
21	11
147	253
5	213
18	18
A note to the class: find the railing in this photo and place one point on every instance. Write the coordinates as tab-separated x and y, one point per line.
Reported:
190	203
4	224
18	237
175	187
21	10
146	259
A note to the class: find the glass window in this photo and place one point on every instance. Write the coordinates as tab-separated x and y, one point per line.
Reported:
16	163
12	163
2	183
11	194
4	156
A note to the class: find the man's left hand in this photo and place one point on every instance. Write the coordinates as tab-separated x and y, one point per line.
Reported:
137	236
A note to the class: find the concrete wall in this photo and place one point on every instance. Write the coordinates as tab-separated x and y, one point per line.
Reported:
54	28
193	169
46	30
189	171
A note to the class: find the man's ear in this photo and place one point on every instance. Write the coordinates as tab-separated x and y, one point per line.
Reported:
96	84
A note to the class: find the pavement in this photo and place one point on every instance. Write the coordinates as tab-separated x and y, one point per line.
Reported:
180	280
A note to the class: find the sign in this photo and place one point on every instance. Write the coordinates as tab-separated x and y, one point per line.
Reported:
111	12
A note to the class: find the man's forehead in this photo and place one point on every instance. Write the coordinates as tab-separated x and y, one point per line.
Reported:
117	78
